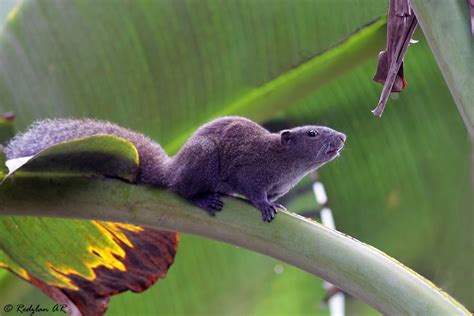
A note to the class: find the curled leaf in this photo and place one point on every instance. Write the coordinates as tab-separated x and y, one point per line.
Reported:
95	155
401	25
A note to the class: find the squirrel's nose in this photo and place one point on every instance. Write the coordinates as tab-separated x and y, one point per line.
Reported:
342	137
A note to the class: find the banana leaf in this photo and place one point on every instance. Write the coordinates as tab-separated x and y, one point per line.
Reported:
173	66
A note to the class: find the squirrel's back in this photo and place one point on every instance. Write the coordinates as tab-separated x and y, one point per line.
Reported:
43	134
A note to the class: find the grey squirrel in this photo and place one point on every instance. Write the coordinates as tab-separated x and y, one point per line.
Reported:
225	156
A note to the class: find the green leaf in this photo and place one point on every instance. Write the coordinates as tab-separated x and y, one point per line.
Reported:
6	131
96	155
295	84
7	262
163	68
447	27
403	183
353	266
107	258
173	66
168	67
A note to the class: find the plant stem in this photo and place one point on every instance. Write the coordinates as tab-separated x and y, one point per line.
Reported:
353	266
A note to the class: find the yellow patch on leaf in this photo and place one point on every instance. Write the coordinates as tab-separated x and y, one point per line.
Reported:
108	255
115	230
61	278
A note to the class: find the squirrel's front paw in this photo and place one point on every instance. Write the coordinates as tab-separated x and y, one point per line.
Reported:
210	202
269	212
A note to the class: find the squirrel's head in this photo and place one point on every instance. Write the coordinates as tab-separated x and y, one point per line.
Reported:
315	145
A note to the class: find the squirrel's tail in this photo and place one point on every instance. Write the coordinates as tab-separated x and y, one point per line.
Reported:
43	134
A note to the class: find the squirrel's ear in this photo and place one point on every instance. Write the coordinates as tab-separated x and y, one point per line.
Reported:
285	137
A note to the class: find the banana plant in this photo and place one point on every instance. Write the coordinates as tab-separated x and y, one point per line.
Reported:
173	67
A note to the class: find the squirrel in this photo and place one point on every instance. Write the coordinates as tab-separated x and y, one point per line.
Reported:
228	155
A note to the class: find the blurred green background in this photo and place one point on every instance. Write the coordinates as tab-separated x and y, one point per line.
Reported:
403	184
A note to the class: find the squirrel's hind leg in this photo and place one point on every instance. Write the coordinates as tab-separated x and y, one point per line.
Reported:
195	171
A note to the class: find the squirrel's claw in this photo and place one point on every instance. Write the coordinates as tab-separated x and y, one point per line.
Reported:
210	202
268	213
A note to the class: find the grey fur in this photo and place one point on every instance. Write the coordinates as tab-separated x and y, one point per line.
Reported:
225	156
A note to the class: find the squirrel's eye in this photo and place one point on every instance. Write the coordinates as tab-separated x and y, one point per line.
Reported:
312	133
